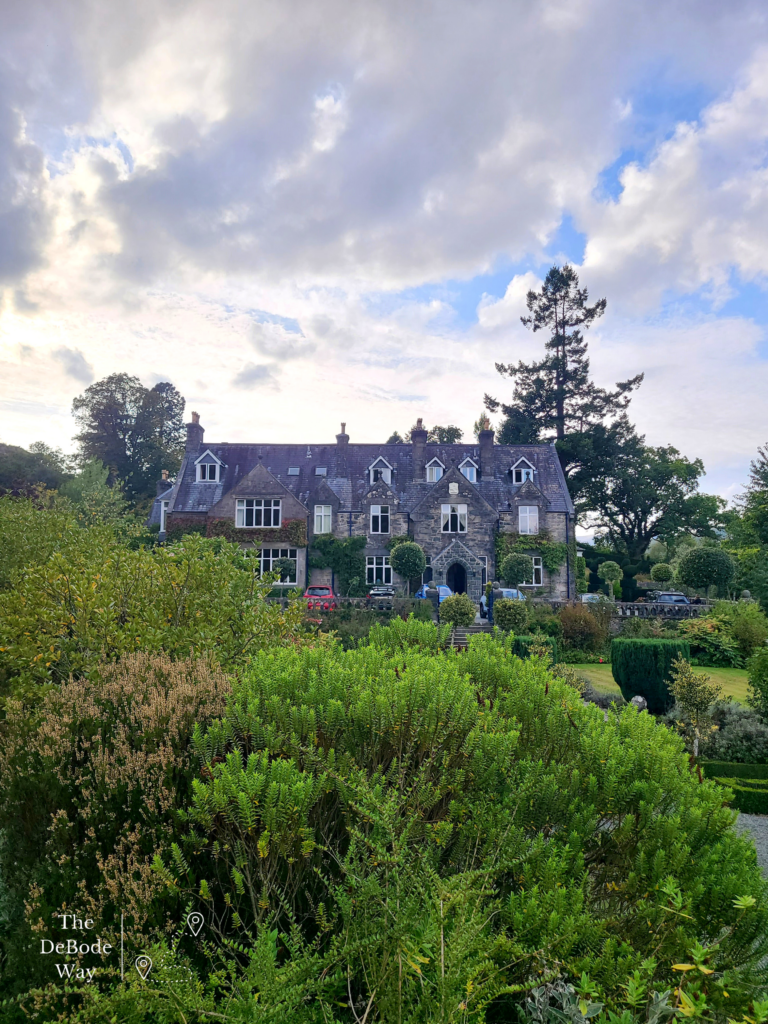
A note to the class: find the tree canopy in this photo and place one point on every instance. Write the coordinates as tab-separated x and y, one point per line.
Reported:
555	396
133	430
648	492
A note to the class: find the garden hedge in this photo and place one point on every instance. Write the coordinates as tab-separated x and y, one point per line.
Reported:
642	668
750	792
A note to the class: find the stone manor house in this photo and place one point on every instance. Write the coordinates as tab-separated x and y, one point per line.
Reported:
465	504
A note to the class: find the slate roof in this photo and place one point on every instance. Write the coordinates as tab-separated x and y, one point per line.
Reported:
187	496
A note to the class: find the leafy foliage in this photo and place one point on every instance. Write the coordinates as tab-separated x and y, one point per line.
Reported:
516	568
458	609
408	560
610	571
382	810
26	472
757	691
581	630
662	572
705	567
135	431
96	598
345	558
510	615
695	693
711	641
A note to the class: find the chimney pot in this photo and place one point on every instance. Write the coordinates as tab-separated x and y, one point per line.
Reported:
419	443
485	438
194	434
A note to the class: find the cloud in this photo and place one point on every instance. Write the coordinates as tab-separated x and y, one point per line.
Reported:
275	341
74	363
255	376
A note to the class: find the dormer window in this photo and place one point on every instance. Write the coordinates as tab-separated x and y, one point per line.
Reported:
380	470
469	469
293	471
208	468
321	471
435	470
522	471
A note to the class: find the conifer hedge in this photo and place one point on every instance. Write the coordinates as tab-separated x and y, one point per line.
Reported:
643	667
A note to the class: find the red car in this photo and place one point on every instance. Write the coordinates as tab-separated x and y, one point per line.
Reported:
320	598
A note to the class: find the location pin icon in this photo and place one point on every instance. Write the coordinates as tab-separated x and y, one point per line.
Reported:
195	922
143	965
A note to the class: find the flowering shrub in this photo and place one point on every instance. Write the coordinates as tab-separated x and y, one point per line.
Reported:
711	641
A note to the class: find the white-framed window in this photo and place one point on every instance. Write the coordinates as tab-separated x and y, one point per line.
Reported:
321	471
380	470
528	521
379	518
258	512
293	471
538	573
208	472
378	569
435	471
208	468
469	469
163	513
270	555
522	471
454	518
322	518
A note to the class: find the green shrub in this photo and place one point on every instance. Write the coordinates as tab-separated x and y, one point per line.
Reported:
95	598
510	615
644	667
757	688
748	622
458	609
522	646
662	572
711	641
735	770
610	571
408	560
394	777
750	796
705	567
581	629
741	735
516	568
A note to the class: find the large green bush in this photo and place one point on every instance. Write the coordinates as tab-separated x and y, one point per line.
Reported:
424	834
644	667
582	630
510	615
705	567
711	641
516	568
458	609
96	598
748	624
408	560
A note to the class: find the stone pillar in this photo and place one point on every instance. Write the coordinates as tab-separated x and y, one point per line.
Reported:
194	434
342	447
419	449
485	437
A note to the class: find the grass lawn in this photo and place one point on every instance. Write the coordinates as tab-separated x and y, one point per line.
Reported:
732	680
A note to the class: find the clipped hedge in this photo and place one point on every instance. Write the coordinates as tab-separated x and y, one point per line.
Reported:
522	644
734	770
750	796
642	668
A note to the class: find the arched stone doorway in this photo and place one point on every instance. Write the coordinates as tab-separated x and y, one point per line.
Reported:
456	578
454	557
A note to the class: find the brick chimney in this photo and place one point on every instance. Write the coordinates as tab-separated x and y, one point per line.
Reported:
194	434
419	442
163	484
342	447
485	437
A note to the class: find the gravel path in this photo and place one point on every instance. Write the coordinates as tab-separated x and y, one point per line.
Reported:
757	826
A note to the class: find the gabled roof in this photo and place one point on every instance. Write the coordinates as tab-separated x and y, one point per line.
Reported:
348	475
210	455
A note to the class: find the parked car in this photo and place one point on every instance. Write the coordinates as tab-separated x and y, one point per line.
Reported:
320	598
671	597
511	593
591	598
380	596
443	592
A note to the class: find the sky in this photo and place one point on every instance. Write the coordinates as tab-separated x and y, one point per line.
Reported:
308	213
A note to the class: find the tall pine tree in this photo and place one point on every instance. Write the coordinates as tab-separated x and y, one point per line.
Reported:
554	397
